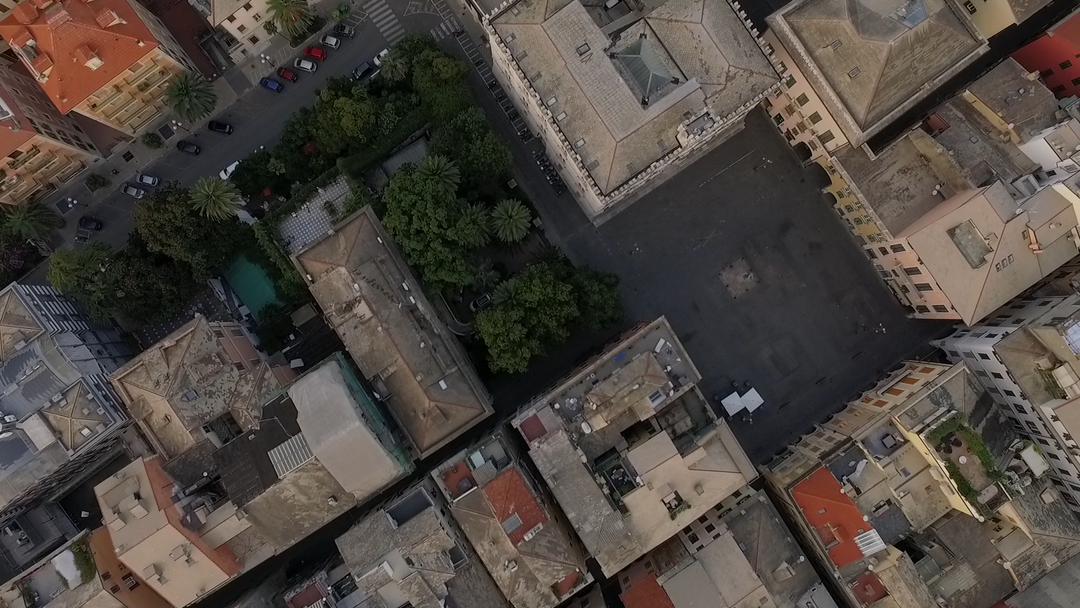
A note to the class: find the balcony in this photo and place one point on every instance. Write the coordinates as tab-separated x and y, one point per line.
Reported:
30	155
73	169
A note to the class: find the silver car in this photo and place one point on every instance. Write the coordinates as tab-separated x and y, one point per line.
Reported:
330	41
305	65
132	191
147	180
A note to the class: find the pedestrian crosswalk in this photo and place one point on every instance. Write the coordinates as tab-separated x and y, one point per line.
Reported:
384	19
446	28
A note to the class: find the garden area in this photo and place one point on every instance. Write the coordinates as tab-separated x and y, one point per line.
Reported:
464	231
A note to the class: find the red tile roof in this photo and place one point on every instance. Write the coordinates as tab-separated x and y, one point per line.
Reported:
646	594
13	133
532	428
869	588
508	496
66	25
835	517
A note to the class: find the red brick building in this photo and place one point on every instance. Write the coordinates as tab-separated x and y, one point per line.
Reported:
1056	57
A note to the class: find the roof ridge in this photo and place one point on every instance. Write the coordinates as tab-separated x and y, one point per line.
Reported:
986	275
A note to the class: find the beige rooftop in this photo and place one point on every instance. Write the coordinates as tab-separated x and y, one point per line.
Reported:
187	380
870	60
976	244
683	58
374	303
17	324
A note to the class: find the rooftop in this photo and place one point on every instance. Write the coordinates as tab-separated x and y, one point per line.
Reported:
17	324
977	244
76	47
871	60
245	464
408	558
627	99
526	550
902	184
189	380
829	511
392	332
145	523
631	449
342	426
1016	98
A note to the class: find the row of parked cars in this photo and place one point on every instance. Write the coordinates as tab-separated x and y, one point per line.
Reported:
307	62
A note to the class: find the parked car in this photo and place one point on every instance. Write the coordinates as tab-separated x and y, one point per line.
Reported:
146	180
344	31
91	223
480	303
133	191
188	148
314	52
288	74
362	71
382	55
273	85
306	65
228	171
219	127
330	41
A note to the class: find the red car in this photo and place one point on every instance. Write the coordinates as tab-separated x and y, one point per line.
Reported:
314	52
287	74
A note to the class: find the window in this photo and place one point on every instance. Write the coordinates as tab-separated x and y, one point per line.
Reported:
247	7
941	308
970	7
826	137
924	287
130	581
1052	456
883	251
802	100
1020	408
236	332
241	28
815	118
1065	64
230	18
789	82
254	40
1032	426
997	376
912	271
984	356
1076	82
257	17
1046	73
922	309
897	248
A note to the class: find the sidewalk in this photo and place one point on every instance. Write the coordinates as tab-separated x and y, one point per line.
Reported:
281	52
127	159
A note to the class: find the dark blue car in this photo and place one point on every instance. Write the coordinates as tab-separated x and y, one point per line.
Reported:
273	85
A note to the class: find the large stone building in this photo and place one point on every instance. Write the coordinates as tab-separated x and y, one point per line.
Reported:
109	60
41	147
242	22
869	62
624	95
392	332
630	449
61	419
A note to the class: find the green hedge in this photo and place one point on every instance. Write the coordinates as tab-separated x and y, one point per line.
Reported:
355	165
291	281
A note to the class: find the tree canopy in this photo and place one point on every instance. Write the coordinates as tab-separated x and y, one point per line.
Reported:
469	142
169	224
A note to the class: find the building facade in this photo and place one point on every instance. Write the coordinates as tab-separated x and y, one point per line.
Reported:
1054	57
625	95
241	22
121	58
42	148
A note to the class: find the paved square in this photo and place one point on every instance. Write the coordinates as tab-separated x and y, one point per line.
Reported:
816	328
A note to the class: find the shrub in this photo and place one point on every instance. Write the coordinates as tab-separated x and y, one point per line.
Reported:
152	140
95	182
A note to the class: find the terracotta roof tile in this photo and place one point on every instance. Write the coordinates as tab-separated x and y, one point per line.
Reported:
118	46
509	496
647	593
25	13
21	36
835	517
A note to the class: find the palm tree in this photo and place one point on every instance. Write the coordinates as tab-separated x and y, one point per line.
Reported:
510	220
441	169
549	254
486	276
395	67
31	220
475	220
215	198
191	97
505	293
292	17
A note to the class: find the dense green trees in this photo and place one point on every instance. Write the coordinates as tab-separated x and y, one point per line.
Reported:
170	225
215	198
537	309
33	220
190	96
467	140
510	221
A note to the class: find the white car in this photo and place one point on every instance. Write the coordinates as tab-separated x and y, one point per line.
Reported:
382	55
228	171
330	41
305	65
147	180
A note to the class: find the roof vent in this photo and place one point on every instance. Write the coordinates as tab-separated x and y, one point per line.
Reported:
836	44
87	57
57	15
854	72
583	50
107	17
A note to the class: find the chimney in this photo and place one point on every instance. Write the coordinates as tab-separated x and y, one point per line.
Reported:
41	4
25	13
42	64
107	17
56	15
87	57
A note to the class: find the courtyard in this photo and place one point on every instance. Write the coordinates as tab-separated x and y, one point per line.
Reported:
760	279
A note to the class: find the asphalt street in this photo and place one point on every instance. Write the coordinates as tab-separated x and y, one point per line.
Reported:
257	117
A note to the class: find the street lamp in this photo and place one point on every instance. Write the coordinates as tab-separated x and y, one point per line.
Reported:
72	203
179	125
266	59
